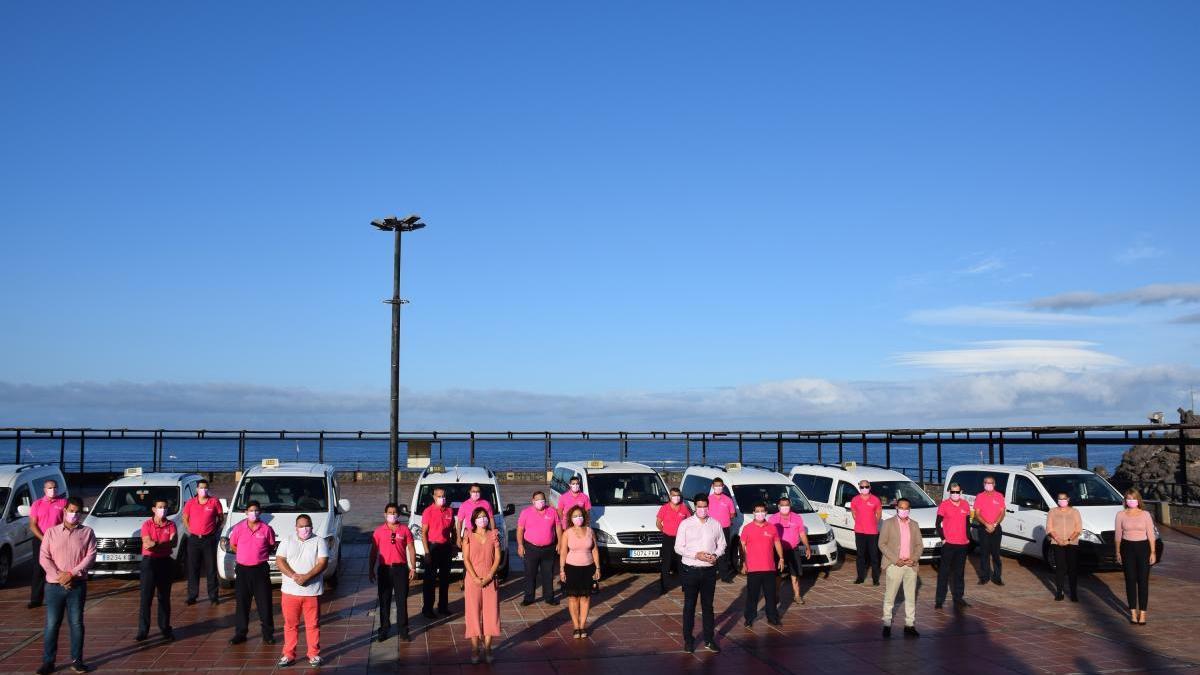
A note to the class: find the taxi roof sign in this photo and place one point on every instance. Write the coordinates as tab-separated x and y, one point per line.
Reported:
850	466
733	466
595	464
270	463
133	472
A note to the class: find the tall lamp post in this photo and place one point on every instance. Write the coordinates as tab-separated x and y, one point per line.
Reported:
399	226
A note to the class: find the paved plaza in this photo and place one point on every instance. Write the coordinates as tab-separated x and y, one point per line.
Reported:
1018	628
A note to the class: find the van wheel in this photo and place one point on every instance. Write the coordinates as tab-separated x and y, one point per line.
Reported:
5	566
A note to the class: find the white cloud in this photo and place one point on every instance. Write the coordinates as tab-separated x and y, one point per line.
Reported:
991	264
1187	318
1154	294
1013	355
966	315
1138	253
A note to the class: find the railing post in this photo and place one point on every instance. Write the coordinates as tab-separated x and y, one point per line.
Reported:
841	458
18	459
82	434
471	450
242	451
1001	447
740	455
62	450
779	453
887	450
939	457
704	450
1081	448
1184	488
991	450
820	459
687	450
864	444
321	447
921	460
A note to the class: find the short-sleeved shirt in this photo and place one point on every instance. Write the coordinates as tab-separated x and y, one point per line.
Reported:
866	510
671	517
759	541
989	506
537	527
46	513
955	515
789	529
721	508
468	507
569	500
302	557
392	553
159	534
253	546
440	521
202	519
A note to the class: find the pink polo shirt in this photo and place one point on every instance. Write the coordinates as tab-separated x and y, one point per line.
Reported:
67	549
671	517
468	507
954	520
721	508
392	553
46	513
989	506
202	519
569	500
440	521
865	510
537	527
759	541
253	546
159	534
789	529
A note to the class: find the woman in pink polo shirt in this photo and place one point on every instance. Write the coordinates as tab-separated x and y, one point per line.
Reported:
574	496
762	561
391	565
723	510
158	539
793	536
670	515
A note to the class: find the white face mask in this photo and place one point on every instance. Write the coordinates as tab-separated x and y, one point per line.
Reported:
785	509
481	522
252	516
1063	503
389	518
160	512
539	504
578	520
474	496
701	511
50	492
574	487
202	492
760	516
864	490
903	513
304	532
71	516
674	499
988	487
441	501
718	489
1131	503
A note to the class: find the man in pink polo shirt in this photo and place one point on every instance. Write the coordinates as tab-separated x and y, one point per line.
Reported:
251	542
866	509
670	515
574	496
953	514
762	561
202	520
45	512
723	510
538	530
157	571
474	501
392	546
793	535
989	512
437	533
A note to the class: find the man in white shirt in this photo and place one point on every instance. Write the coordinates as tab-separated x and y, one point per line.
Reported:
302	559
699	543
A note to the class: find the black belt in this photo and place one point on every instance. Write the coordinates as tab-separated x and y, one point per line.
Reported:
403	564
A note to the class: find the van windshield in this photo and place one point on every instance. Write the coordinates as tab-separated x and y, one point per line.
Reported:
456	493
626	489
891	491
284	494
1084	489
135	500
747	495
4	492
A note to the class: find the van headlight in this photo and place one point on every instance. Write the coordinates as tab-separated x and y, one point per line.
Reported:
223	544
1090	537
606	538
416	532
330	541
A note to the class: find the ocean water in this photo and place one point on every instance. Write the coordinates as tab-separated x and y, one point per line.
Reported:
191	454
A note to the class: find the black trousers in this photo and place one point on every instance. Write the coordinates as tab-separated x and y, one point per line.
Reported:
698	582
437	568
37	585
725	562
867	555
1135	559
951	569
1066	568
668	559
761	583
392	582
202	558
253	582
989	553
156	575
539	567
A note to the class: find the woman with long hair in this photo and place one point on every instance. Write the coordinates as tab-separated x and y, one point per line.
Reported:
481	559
579	567
1135	552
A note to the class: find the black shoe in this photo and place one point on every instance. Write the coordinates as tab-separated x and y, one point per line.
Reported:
1058	597
983	582
214	602
749	623
887	631
712	646
428	614
190	601
937	605
911	631
237	639
874	582
33	605
552	602
80	667
169	635
381	635
527	602
405	636
727	580
997	582
774	622
662	589
689	646
140	637
444	611
961	603
859	581
1074	597
45	669
268	640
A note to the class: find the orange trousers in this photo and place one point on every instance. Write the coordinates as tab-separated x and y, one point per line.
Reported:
296	607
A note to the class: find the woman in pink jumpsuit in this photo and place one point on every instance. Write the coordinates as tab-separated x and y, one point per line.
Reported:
481	558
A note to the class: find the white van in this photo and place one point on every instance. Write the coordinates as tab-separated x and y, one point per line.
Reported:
1030	491
749	485
457	483
126	503
284	491
832	486
20	485
625	499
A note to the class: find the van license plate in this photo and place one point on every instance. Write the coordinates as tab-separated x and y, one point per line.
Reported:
116	557
643	553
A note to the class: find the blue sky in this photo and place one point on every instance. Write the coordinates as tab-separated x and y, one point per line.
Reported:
689	214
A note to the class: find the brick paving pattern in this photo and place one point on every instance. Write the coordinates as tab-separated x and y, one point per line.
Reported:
1018	628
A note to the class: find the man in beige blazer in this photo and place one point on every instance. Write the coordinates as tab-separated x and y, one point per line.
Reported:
901	547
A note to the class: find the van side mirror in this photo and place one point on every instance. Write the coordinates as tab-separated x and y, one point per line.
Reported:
224	505
343	505
23	510
404	510
510	509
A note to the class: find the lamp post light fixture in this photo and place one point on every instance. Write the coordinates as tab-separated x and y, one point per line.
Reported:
399	226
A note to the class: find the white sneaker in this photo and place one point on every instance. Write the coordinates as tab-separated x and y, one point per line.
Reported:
284	662
315	662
